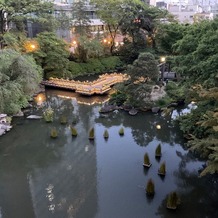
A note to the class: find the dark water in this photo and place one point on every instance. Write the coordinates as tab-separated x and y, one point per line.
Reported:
77	178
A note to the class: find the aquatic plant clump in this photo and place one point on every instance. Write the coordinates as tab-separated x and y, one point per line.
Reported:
146	160
106	134
173	201
73	131
121	131
92	134
162	169
54	133
63	120
150	187
48	115
158	152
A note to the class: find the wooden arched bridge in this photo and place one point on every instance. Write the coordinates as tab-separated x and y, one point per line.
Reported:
99	86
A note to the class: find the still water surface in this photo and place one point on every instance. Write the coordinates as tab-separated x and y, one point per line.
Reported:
70	177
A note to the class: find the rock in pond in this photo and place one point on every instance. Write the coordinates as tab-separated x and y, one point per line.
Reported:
133	111
34	117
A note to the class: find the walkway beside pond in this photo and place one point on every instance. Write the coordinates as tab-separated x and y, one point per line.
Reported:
99	86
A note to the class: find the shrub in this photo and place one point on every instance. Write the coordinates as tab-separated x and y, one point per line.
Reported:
118	98
150	187
92	66
163	102
111	63
54	133
175	92
48	114
76	69
96	66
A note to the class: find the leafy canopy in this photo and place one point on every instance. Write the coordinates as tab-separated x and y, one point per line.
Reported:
19	80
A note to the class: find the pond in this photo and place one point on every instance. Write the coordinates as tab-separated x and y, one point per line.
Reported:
71	177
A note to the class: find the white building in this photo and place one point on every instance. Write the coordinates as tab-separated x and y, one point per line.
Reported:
189	11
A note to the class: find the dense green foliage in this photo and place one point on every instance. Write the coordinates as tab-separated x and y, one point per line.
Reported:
143	75
140	22
137	91
197	54
130	17
52	54
19	79
145	67
167	35
88	48
92	66
196	61
175	91
19	11
81	21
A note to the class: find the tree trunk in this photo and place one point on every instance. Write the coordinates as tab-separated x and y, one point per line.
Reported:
1	28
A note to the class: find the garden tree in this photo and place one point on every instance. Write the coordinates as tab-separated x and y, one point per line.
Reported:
19	80
197	53
19	11
143	75
144	69
81	21
15	40
52	55
141	21
203	130
196	62
88	48
131	17
167	35
64	21
81	24
111	13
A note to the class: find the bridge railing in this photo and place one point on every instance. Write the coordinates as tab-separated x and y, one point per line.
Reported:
99	86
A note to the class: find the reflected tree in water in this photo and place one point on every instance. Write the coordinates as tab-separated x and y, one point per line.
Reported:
199	195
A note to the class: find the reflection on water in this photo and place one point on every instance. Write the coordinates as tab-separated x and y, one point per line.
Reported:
80	99
74	177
